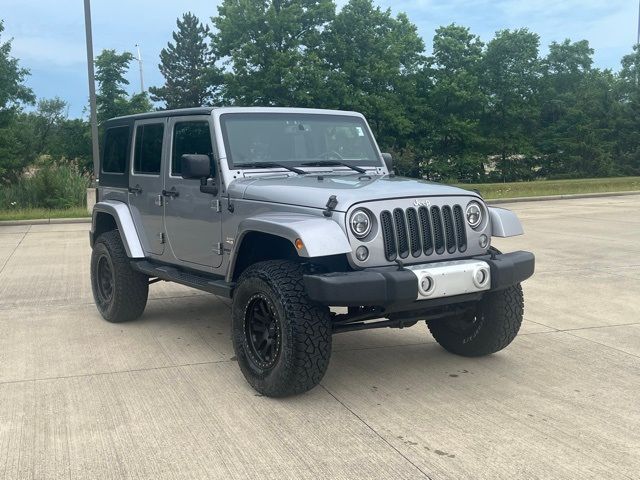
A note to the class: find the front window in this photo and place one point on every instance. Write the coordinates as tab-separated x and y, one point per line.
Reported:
191	137
296	139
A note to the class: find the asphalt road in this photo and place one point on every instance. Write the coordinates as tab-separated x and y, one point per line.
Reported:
163	397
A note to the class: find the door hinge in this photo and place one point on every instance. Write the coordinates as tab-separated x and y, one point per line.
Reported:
162	237
217	248
216	205
158	201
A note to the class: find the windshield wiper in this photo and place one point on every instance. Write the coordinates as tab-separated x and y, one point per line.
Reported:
271	165
332	163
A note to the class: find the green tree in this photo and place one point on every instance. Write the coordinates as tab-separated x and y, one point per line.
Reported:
13	94
456	102
51	113
271	50
627	150
511	81
71	140
188	66
373	59
576	113
112	97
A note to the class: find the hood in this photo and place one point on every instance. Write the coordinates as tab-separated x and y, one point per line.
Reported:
314	190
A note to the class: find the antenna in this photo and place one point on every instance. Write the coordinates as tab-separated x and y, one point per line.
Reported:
141	72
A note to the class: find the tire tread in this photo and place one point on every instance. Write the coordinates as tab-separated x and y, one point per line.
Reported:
503	312
310	323
131	287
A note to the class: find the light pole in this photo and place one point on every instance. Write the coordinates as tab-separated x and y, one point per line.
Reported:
140	65
92	89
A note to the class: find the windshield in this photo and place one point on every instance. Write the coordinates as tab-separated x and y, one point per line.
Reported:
297	139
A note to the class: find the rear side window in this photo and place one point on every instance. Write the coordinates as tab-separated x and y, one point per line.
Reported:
189	138
116	144
148	148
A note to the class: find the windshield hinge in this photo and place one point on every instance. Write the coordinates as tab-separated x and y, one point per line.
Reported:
331	205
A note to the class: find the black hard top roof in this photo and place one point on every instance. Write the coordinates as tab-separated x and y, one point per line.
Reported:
162	114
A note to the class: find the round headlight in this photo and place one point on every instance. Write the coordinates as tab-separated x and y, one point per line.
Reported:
360	223
474	214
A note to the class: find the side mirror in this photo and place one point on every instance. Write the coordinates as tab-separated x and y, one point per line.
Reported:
388	161
195	166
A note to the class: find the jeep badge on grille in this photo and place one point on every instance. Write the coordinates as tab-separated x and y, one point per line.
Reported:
421	203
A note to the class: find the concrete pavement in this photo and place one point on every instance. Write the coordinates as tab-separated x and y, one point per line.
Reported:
162	397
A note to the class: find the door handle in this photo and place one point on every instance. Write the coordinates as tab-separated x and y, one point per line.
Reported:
135	190
171	193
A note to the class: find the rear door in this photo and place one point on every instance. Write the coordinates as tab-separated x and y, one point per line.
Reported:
192	219
145	183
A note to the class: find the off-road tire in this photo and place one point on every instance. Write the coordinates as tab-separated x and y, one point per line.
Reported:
488	329
130	289
304	338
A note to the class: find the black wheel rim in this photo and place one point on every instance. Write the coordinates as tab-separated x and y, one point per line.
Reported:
104	280
262	332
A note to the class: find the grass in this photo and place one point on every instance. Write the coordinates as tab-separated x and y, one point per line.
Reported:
554	187
41	213
488	191
52	186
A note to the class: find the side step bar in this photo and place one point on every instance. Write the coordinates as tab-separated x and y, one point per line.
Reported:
190	279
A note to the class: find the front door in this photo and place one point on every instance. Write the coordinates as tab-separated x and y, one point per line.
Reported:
192	221
145	183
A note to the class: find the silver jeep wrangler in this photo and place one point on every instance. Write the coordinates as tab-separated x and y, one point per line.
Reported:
289	212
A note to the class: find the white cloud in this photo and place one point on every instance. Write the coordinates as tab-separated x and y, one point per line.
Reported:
56	52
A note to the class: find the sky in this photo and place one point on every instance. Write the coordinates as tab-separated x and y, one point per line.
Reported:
48	36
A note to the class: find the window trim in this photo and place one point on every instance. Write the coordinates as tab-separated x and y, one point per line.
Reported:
144	123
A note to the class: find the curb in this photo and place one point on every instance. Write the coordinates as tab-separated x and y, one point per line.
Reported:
570	196
497	201
44	221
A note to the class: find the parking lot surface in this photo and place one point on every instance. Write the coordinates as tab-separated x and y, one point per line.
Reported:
162	397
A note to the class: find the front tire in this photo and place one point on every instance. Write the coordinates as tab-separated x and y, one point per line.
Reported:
281	339
488	329
120	293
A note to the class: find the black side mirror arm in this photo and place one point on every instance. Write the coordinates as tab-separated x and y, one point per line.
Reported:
205	187
388	161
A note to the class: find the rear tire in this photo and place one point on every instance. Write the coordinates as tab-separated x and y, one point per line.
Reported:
488	329
281	339
120	293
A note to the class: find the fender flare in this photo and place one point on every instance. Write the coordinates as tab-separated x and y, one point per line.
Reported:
321	236
504	223
122	216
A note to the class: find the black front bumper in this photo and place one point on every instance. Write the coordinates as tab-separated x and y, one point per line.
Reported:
392	286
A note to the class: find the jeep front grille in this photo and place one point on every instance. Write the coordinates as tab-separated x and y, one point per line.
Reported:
423	231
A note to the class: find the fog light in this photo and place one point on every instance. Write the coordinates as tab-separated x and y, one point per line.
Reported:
481	277
362	253
484	241
427	285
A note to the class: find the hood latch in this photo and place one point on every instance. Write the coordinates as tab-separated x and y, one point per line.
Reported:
331	205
